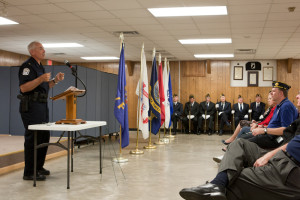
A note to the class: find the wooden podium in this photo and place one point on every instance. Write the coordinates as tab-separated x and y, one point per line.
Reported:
71	99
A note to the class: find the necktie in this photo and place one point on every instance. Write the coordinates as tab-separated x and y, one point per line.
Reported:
257	104
241	108
223	106
206	106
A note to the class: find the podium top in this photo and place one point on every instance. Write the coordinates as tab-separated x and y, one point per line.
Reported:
67	93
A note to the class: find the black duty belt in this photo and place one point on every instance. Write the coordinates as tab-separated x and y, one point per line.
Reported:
292	158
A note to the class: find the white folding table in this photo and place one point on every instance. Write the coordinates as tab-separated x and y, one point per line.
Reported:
70	129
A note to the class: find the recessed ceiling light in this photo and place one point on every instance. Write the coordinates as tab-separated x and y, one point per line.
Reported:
60	45
206	41
188	11
100	58
5	21
214	55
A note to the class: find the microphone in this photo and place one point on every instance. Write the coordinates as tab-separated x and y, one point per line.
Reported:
70	66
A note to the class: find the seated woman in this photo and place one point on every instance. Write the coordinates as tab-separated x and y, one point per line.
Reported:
247	126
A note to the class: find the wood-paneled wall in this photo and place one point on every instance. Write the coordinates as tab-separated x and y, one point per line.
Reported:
215	83
11	59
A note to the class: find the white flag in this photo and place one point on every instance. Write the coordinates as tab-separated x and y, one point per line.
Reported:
166	88
142	92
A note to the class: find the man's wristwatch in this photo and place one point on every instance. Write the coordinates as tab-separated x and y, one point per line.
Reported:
266	130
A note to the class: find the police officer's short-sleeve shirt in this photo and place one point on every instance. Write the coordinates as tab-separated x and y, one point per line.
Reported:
31	70
284	114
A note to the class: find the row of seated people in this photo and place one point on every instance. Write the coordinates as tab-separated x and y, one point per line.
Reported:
196	113
262	159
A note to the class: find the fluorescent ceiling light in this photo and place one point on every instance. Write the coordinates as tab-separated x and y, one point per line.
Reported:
100	58
60	45
188	11
4	21
214	55
206	41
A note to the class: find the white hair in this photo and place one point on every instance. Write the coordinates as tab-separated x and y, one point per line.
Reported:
32	45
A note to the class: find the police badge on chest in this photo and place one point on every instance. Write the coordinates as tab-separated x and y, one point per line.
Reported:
26	71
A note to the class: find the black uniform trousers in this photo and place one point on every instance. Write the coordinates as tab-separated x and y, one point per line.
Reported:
277	180
175	119
223	119
209	122
38	113
194	123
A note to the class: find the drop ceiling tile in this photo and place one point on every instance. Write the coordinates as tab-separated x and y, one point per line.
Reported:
249	9
118	5
137	21
100	14
131	13
248	17
59	17
79	6
27	2
42	9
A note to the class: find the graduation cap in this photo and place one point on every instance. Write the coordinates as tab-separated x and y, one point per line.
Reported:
207	95
240	96
277	84
258	95
191	96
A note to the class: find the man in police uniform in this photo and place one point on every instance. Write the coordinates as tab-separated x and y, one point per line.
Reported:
177	112
249	172
34	87
207	108
258	109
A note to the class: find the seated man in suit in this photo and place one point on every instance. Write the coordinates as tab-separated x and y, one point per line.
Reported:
241	111
224	112
207	110
249	172
177	112
191	111
258	109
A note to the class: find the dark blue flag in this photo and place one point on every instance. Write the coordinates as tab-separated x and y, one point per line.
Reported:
154	105
121	107
170	97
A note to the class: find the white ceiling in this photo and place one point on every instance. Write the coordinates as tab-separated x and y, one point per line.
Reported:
264	25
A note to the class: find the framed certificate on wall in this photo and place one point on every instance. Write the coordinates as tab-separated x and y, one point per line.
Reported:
268	73
252	79
238	73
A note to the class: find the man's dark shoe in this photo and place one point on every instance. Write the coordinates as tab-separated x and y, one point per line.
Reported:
39	177
44	171
207	191
221	133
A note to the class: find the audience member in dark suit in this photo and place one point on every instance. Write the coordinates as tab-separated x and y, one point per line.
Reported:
177	112
224	112
191	108
241	111
207	107
258	109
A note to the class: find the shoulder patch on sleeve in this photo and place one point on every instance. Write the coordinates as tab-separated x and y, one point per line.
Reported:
26	71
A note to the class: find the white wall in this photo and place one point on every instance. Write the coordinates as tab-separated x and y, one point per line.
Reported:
244	82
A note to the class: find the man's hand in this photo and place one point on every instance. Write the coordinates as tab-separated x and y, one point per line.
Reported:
262	160
258	131
253	126
59	77
45	77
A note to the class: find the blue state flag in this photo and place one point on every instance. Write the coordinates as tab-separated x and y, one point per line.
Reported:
154	106
121	107
170	97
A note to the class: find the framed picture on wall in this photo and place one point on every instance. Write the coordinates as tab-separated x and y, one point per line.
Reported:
268	73
252	79
238	73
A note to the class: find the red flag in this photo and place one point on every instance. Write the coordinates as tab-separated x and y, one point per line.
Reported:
161	94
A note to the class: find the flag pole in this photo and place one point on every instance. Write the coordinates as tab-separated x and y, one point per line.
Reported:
137	151
170	136
159	142
150	145
120	159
